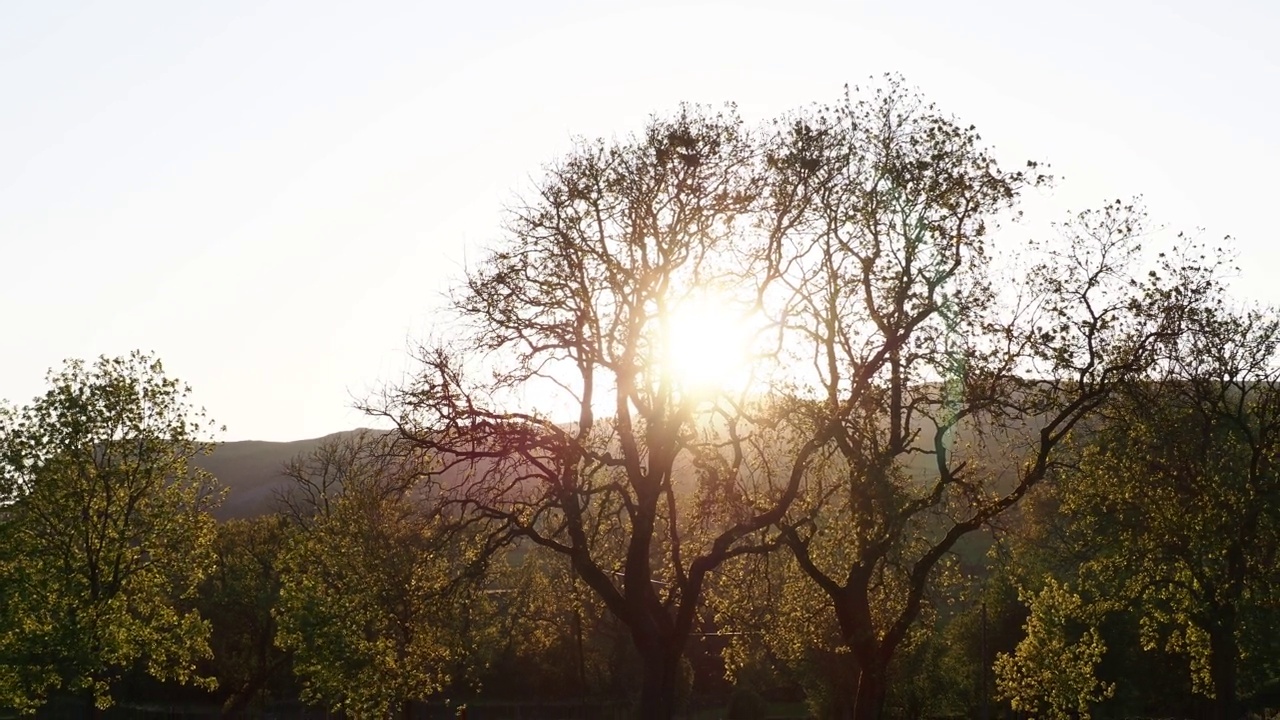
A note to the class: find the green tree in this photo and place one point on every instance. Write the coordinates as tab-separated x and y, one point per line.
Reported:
1051	673
1175	502
105	533
368	605
238	598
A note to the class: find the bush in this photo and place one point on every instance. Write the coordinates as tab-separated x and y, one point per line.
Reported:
746	704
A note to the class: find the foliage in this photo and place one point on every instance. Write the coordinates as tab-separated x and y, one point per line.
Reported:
1051	673
368	605
782	632
105	533
237	598
555	640
1174	504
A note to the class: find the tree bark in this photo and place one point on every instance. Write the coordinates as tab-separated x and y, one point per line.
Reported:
659	683
842	678
871	653
91	709
1222	669
872	689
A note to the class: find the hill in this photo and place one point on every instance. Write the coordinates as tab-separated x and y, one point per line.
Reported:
252	472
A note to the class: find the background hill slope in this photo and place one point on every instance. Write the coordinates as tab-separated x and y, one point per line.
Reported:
253	472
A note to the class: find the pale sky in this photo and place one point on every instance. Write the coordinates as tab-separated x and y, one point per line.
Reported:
273	196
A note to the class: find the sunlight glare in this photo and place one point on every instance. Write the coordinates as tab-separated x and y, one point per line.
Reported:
708	346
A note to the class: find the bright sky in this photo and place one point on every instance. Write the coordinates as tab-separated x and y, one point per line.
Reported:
273	196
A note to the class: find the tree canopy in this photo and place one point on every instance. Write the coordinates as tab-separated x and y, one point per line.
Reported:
105	534
1172	504
850	243
723	403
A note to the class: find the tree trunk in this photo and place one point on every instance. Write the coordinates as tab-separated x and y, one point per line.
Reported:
871	654
658	691
239	700
872	689
91	709
1222	669
842	679
581	654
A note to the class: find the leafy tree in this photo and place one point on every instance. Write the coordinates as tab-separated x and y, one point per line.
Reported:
367	604
1039	543
1177	500
937	397
105	533
1051	673
238	598
557	641
621	240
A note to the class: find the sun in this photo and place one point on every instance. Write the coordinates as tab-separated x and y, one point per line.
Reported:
707	345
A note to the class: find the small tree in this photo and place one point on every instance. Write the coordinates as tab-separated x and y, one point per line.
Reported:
1051	673
105	532
368	606
1175	502
238	598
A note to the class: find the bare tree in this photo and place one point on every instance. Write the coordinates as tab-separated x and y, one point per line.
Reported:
856	233
620	239
937	395
362	461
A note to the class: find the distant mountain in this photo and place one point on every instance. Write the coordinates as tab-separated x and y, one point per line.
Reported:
251	470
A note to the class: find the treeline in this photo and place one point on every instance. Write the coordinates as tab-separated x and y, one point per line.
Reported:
935	477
